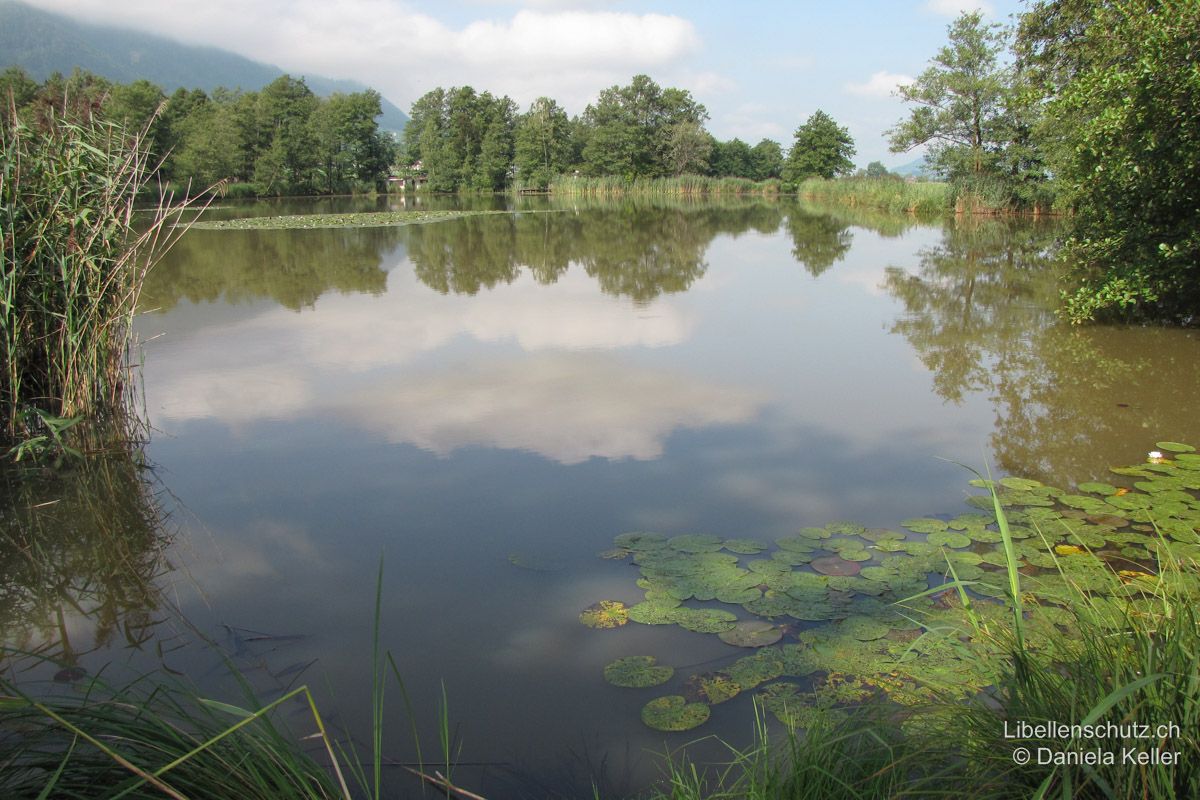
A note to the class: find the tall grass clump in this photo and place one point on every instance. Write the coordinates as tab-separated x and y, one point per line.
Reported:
679	185
862	755
1129	668
154	739
72	264
887	194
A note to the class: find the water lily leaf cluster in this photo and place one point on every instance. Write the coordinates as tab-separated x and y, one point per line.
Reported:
842	614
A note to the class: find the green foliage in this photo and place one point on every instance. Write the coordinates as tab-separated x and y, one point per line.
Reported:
1125	146
642	130
542	147
960	101
462	140
822	149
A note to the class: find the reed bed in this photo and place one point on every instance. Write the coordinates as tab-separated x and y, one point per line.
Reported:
674	186
73	263
887	194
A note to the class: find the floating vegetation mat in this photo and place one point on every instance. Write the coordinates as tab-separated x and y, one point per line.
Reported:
370	219
842	614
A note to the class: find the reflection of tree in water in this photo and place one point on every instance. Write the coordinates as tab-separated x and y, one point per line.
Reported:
634	250
818	240
81	543
293	268
1068	401
977	296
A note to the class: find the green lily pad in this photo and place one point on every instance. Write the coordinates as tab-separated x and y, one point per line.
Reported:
737	595
814	533
798	544
713	688
616	553
863	628
1096	487
654	612
949	539
792	558
695	543
835	565
605	614
925	525
752	633
1175	447
792	706
637	672
845	528
763	666
882	535
1020	484
705	620
639	540
674	713
745	547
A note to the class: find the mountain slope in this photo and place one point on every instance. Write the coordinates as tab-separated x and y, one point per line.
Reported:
42	43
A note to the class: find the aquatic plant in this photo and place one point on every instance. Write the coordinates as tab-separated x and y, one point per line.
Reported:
73	262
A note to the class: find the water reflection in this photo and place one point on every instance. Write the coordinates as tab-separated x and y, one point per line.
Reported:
818	240
80	551
979	314
633	250
293	268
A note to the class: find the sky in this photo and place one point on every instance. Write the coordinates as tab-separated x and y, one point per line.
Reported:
760	68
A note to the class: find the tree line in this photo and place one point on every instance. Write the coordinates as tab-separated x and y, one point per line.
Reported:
280	140
1091	106
463	139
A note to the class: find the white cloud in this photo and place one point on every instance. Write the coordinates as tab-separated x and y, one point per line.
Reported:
880	84
568	408
753	122
566	54
952	8
359	358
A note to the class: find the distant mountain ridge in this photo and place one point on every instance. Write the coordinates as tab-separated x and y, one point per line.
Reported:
918	168
42	43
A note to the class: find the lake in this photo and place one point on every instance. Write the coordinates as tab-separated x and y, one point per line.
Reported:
481	405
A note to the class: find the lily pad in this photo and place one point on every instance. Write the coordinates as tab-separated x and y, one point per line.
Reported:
654	612
695	543
711	687
790	705
605	614
752	633
949	539
1175	447
1096	487
925	525
835	565
637	672
763	666
864	628
705	620
639	540
1020	484
745	547
674	713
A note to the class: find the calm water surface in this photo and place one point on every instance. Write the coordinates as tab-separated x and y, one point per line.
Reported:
454	397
